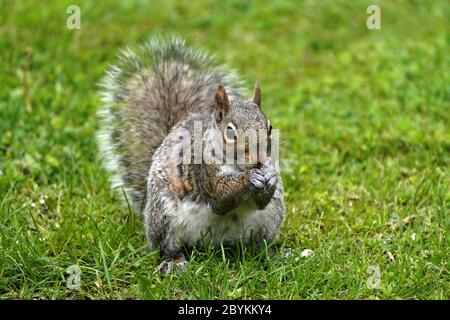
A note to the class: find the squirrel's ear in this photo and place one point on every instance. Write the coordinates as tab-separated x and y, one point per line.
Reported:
222	104
257	95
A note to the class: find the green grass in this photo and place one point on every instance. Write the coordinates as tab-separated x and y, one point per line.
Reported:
365	131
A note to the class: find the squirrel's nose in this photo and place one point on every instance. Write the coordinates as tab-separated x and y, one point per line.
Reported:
258	160
262	158
258	164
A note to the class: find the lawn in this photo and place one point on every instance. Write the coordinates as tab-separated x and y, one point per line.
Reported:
364	117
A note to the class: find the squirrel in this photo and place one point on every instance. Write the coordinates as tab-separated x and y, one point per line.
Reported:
153	94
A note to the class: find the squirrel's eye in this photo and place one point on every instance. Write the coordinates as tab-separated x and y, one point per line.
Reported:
269	125
230	133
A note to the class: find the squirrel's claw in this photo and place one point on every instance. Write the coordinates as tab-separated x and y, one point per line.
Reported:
257	179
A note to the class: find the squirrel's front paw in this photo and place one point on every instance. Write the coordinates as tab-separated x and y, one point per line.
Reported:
264	179
265	182
270	177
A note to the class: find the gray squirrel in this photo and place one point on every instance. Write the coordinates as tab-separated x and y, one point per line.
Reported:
151	95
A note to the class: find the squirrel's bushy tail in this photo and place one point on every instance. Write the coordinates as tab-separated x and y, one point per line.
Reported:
144	96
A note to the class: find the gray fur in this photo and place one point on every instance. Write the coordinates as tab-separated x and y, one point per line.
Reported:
151	93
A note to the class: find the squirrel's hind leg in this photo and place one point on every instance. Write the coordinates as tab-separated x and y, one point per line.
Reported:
174	258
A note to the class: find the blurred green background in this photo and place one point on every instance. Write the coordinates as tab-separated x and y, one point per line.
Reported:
365	133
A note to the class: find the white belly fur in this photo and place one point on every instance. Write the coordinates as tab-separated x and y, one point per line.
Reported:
193	221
